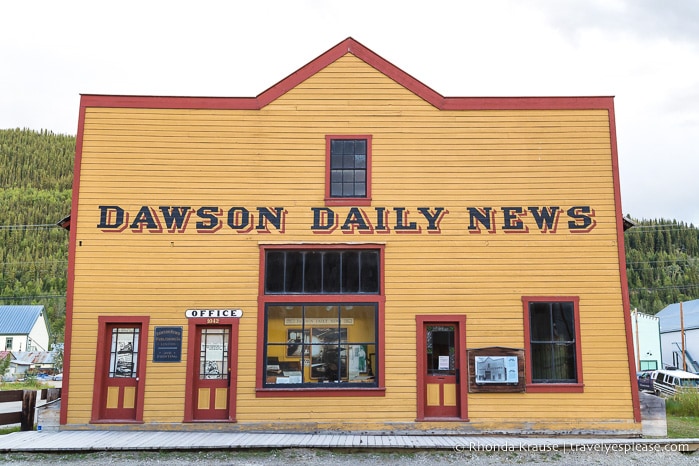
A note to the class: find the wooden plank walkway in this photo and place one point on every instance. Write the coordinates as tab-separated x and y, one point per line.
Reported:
83	441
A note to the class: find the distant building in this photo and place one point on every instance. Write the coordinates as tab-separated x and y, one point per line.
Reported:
672	323
646	341
24	328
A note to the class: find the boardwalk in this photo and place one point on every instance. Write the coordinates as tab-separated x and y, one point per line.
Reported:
92	441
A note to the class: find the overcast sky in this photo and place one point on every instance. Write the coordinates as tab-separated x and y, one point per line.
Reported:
643	52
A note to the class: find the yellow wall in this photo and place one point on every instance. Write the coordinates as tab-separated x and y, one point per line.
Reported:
422	157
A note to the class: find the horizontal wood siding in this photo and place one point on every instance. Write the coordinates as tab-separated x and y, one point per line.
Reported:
422	157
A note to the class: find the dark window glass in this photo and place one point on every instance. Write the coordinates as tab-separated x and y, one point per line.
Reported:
293	273
313	272
552	342
331	272
369	272
274	272
322	272
348	165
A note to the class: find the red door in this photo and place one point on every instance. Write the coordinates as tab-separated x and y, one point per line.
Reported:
440	364
120	393
212	377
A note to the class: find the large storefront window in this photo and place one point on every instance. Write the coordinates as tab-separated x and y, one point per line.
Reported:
320	312
320	344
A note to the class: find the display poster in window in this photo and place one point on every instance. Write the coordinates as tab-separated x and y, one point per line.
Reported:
167	344
443	363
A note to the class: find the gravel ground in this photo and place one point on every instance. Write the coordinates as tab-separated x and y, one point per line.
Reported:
344	457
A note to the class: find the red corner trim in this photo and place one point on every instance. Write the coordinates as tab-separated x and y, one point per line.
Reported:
626	303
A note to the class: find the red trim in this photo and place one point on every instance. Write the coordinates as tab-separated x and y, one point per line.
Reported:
103	340
532	387
346	201
380	299
635	397
460	320
70	285
193	359
353	47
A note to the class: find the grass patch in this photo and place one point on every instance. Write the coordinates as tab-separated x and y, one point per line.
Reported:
29	384
682	426
683	404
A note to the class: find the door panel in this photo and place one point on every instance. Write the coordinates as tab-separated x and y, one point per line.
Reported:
213	373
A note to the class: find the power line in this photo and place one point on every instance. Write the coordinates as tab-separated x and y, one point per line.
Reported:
40	226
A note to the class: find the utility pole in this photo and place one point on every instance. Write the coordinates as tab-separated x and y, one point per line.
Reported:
684	353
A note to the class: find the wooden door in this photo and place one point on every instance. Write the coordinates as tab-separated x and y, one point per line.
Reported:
441	377
212	377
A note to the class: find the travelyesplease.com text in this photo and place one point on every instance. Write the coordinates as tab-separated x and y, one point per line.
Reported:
574	447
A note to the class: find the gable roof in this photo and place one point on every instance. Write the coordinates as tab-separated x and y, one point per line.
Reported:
669	317
19	320
353	47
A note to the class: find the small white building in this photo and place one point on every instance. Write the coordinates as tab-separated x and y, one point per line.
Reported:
646	341
673	324
24	328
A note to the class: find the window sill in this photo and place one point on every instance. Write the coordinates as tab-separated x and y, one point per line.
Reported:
555	388
347	201
318	392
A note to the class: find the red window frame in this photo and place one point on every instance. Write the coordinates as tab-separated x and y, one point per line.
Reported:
532	387
347	201
378	299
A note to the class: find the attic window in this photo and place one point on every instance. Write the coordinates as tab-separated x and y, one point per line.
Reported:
348	170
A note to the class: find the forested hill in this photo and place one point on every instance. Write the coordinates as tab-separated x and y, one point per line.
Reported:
36	174
662	264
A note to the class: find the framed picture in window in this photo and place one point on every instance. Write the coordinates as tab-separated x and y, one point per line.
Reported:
329	352
295	341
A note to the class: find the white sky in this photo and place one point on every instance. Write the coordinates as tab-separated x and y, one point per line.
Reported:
643	52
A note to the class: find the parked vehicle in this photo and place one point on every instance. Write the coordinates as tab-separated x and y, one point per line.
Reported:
58	376
669	382
645	381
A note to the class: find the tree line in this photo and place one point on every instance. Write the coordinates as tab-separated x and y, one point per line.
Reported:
36	176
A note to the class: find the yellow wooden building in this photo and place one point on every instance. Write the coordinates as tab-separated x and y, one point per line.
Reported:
349	250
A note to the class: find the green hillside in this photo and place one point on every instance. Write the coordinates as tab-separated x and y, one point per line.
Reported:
36	173
36	176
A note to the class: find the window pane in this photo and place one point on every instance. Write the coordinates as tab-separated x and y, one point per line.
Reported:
293	280
540	321
313	272
348	147
336	146
331	272
348	161
360	146
563	325
124	352
360	161
350	272
369	272
274	272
